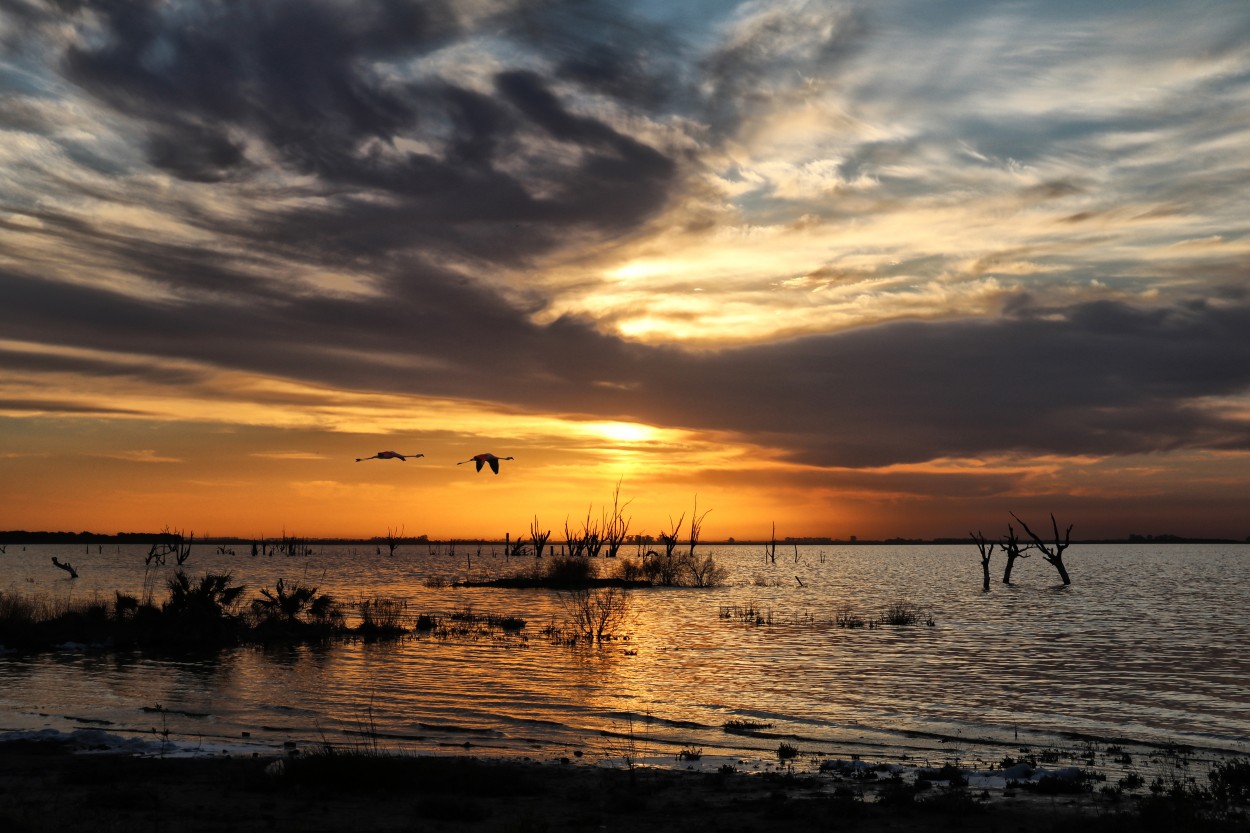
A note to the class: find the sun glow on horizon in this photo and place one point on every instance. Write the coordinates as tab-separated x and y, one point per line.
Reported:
625	432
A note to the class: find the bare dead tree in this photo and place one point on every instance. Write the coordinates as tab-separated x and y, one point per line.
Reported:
1013	549
514	548
1053	553
770	551
573	541
987	549
170	543
183	550
696	525
669	539
615	524
596	613
393	539
705	572
538	537
592	536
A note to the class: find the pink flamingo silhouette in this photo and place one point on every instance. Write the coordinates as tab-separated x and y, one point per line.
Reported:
389	455
485	458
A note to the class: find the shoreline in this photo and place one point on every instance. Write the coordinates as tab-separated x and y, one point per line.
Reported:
48	785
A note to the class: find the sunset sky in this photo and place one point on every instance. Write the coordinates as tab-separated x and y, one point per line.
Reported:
879	268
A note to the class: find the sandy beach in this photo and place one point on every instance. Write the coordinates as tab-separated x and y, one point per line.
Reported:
46	786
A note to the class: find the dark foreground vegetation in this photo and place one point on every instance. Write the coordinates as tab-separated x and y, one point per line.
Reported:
210	612
202	612
45	788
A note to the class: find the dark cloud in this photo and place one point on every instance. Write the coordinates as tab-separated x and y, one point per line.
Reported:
51	406
602	48
195	152
296	74
100	367
770	56
399	161
1095	378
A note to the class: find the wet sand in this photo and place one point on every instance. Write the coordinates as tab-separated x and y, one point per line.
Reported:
47	786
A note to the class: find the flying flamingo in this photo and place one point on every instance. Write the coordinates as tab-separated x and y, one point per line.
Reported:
485	458
389	455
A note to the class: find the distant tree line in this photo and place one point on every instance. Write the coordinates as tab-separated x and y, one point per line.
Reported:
21	536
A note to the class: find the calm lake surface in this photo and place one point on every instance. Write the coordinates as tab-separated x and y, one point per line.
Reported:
1146	648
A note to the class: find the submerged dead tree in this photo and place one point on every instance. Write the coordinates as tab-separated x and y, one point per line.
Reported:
669	539
615	522
1053	553
1013	549
539	537
987	549
393	539
696	525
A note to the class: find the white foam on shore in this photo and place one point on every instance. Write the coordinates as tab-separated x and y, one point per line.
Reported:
98	741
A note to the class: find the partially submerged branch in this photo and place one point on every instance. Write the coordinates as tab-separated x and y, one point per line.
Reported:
66	566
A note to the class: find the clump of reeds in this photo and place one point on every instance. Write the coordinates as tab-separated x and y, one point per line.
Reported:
847	618
690	753
669	569
381	617
904	613
467	623
786	751
900	613
511	624
35	621
748	614
744	727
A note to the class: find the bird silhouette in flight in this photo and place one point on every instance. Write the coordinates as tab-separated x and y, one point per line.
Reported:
389	455
485	458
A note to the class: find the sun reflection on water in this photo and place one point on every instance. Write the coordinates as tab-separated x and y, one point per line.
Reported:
1144	645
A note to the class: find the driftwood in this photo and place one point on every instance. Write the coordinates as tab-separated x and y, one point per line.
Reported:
66	566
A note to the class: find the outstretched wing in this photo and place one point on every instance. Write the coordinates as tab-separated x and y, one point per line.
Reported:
479	462
494	465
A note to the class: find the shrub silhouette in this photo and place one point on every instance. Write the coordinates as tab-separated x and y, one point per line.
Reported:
296	606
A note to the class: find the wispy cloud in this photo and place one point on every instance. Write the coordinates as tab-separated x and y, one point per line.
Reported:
288	455
143	455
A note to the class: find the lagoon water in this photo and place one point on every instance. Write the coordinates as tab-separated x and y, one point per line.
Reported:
1147	648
